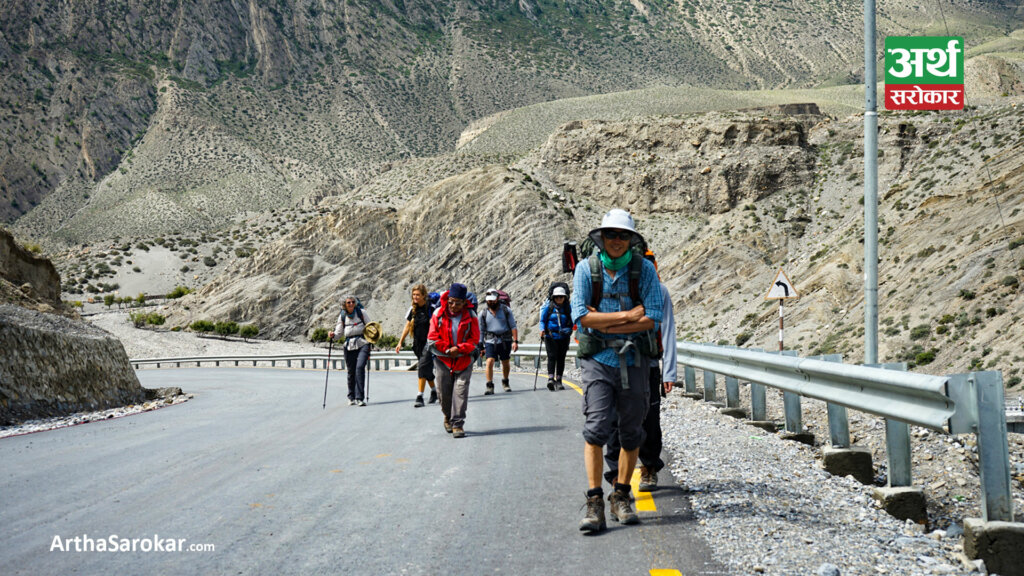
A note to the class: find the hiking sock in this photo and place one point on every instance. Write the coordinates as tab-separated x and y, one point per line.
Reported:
624	488
595	492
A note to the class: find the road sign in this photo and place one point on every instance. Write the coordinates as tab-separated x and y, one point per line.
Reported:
781	288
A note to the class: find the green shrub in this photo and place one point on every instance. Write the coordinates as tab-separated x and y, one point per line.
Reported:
108	300
967	294
925	357
319	335
209	261
201	326
248	331
920	331
1010	281
386	342
155	319
138	319
225	328
742	338
140	299
1013	381
178	292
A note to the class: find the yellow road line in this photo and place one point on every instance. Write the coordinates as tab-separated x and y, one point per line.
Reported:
665	572
573	386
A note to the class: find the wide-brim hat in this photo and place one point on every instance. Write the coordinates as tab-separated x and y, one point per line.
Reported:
373	332
615	219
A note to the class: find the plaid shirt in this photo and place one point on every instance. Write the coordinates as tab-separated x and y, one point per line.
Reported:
650	293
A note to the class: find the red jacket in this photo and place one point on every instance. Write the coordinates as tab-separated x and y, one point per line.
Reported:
441	333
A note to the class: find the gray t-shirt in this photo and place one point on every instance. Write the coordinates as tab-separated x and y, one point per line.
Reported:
497	326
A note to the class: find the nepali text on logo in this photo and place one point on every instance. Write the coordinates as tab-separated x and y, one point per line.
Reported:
924	73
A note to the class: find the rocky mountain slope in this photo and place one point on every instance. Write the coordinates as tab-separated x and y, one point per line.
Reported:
127	118
725	199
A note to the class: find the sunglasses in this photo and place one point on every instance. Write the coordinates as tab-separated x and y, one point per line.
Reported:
456	301
616	234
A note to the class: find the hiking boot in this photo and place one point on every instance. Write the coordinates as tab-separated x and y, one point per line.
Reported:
504	384
419	401
490	389
361	402
351	402
621	508
433	395
458	433
558	385
551	384
447	425
594	520
648	480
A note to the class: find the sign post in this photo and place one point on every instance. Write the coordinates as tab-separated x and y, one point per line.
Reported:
781	289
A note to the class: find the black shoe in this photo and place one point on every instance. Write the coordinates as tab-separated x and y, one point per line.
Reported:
504	384
558	385
490	389
594	520
419	402
551	384
433	395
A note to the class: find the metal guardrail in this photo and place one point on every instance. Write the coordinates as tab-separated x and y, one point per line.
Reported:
958	404
380	359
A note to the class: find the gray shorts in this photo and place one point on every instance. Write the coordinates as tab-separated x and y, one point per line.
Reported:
605	399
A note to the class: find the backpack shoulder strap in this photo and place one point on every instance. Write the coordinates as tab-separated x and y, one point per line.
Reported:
636	268
596	281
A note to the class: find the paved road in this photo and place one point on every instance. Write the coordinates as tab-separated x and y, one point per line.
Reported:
254	467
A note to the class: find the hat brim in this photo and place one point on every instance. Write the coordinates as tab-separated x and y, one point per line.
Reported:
595	235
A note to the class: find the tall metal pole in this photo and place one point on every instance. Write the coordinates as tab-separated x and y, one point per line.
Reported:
870	188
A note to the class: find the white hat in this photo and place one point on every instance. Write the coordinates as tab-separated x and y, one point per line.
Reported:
492	295
559	291
614	219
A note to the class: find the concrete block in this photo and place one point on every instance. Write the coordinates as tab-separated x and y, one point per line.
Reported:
903	502
854	461
735	413
801	437
766	425
999	544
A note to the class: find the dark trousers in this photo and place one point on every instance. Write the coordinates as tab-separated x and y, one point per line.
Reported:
556	350
650	448
355	365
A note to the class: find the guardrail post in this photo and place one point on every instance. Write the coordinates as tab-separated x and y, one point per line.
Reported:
709	386
253	363
157	364
516	360
376	365
838	419
387	364
273	363
897	441
289	363
993	448
791	403
732	392
302	363
236	362
177	364
690	379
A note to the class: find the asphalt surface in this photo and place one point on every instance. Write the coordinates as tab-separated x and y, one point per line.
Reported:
255	469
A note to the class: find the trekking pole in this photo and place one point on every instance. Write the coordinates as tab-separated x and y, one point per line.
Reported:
539	356
328	373
367	391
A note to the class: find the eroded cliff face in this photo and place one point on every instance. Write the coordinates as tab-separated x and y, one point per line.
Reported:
52	364
702	164
26	278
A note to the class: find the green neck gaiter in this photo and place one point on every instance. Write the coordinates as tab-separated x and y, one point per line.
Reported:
616	264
